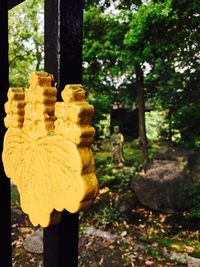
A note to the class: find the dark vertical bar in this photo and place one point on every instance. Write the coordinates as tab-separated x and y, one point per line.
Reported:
5	220
63	40
13	3
63	59
61	242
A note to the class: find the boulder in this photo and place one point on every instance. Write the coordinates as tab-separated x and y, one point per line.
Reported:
34	242
166	178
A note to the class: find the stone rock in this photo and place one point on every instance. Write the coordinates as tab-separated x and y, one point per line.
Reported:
182	258
34	242
125	204
162	185
99	233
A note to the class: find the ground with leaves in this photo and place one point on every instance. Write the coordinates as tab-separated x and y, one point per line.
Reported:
117	231
145	238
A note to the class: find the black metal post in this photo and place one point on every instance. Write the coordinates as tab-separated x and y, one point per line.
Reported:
63	40
63	59
5	220
13	3
61	242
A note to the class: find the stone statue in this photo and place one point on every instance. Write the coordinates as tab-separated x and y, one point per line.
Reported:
117	140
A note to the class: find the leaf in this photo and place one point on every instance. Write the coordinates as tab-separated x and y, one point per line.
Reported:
53	167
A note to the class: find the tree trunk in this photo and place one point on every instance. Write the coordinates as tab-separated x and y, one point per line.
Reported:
38	58
141	113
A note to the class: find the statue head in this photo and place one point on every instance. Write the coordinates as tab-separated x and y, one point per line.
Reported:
116	129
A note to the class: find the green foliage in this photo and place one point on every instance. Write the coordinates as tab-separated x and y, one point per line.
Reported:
106	217
104	168
132	154
172	80
155	124
149	250
139	33
101	118
108	174
192	197
102	50
169	243
15	200
26	41
132	32
104	64
186	120
177	93
149	28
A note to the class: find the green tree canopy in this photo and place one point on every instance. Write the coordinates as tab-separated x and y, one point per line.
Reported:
26	45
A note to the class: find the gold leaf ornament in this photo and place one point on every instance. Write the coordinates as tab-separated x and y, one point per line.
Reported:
47	149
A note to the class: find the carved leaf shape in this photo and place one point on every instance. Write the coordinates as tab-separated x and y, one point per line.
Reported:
53	169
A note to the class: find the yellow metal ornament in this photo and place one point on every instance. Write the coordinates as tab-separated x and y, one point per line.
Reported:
47	149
